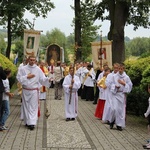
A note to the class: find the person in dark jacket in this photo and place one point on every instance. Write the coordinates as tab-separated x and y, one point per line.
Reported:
2	77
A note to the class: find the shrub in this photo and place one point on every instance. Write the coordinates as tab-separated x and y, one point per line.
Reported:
139	72
6	63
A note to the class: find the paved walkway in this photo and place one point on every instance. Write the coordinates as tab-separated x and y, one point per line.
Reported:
54	133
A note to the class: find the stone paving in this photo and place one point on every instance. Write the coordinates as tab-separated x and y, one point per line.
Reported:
54	133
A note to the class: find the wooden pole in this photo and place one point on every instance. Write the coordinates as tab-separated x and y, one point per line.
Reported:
100	49
76	48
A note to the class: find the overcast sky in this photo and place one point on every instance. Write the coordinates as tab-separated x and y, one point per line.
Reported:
61	18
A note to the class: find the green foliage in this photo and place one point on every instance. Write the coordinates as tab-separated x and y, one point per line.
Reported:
2	44
138	46
6	63
18	48
121	13
13	20
53	36
88	30
136	13
3	33
146	77
139	72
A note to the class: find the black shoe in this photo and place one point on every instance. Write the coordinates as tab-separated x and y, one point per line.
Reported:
119	128
107	122
67	119
1	129
111	125
94	103
27	125
31	127
72	119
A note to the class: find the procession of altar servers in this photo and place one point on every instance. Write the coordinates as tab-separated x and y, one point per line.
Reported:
113	88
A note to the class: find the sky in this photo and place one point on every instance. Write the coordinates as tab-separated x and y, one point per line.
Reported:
61	17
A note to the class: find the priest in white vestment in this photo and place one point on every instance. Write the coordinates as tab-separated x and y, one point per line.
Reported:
71	85
30	76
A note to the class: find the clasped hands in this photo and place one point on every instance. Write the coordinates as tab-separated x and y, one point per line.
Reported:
30	75
122	82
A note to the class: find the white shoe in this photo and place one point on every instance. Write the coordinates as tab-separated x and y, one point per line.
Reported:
147	147
4	128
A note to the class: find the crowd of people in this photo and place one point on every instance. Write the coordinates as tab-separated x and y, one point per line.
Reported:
105	87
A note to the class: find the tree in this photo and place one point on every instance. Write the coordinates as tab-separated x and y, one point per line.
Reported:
138	46
18	48
53	36
85	31
2	44
77	29
13	12
88	29
121	13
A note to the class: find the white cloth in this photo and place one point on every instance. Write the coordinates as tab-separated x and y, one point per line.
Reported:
78	73
30	92
72	108
83	72
58	71
148	109
42	95
51	72
100	76
89	82
107	113
102	92
119	98
7	89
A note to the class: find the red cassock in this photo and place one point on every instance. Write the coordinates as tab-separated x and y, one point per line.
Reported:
100	109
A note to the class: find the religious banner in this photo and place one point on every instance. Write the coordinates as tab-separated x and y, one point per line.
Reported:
101	55
31	42
54	52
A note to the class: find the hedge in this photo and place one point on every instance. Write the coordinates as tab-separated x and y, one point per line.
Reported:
139	72
6	63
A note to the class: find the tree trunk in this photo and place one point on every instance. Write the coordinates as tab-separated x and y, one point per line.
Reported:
116	33
9	37
77	29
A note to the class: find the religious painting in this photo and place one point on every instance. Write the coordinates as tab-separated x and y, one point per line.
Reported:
30	42
53	53
102	53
